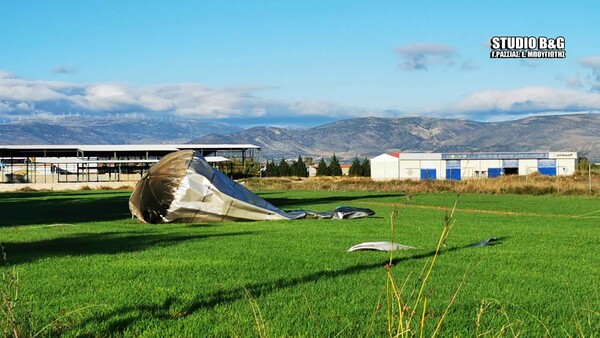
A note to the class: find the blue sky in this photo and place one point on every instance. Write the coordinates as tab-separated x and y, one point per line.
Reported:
293	63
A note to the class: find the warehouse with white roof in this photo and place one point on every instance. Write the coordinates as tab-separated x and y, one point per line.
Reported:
457	166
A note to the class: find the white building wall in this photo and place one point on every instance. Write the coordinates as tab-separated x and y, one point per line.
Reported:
432	164
478	168
527	167
409	165
420	156
565	162
384	171
410	169
487	164
384	167
442	174
565	166
468	168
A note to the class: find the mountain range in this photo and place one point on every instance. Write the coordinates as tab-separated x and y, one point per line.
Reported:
369	136
108	130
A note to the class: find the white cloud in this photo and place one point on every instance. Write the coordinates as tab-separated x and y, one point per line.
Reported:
24	106
592	62
15	90
487	104
20	96
188	99
6	75
571	81
104	97
5	107
421	56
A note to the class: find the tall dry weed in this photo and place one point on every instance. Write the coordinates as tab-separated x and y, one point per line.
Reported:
533	184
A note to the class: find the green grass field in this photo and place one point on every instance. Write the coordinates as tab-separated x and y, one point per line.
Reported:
82	261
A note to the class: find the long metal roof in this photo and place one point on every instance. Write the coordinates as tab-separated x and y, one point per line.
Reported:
101	150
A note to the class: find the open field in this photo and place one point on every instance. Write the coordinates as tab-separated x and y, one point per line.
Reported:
81	259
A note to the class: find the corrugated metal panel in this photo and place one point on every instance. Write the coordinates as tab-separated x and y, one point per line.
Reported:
492	156
453	164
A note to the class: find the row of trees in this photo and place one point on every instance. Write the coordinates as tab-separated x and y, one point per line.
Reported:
299	167
360	169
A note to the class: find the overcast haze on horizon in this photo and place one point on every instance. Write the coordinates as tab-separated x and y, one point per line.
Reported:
293	63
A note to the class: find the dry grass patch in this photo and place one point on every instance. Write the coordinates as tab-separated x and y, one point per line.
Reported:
534	184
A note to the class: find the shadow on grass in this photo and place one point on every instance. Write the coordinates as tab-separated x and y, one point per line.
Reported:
96	244
69	207
120	319
300	202
26	208
67	193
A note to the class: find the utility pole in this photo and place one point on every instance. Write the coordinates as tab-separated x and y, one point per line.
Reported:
590	177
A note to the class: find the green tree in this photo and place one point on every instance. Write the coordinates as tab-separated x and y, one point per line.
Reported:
299	168
356	168
272	169
323	168
251	168
284	168
583	163
366	168
336	169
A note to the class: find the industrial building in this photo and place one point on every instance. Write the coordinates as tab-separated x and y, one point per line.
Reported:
102	163
457	166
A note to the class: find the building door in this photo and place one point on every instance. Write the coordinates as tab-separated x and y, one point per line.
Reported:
428	174
547	167
511	166
453	174
494	172
453	170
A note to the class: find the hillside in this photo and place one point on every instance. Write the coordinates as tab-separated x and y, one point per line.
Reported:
371	136
367	136
107	130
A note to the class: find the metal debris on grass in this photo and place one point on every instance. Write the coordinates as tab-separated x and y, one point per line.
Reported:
484	242
380	246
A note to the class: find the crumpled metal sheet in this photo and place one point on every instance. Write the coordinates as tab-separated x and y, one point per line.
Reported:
182	187
380	246
342	212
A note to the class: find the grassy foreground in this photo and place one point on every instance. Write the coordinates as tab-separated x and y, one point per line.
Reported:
81	263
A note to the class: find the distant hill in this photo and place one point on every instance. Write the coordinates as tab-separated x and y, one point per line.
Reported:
108	130
371	136
361	137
